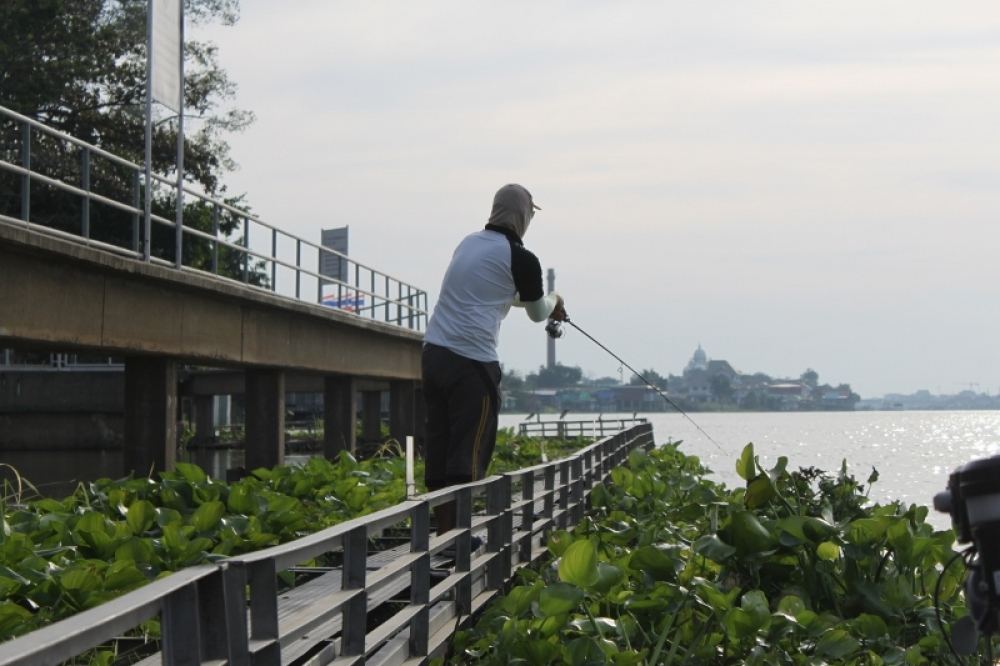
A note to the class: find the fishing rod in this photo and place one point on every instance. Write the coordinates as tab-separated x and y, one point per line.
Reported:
552	328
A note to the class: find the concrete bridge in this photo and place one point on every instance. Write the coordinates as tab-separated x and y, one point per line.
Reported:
68	290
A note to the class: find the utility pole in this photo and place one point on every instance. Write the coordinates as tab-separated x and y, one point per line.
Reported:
550	341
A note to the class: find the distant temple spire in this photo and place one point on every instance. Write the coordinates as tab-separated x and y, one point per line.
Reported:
699	360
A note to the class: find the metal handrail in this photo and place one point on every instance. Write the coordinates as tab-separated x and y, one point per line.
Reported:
387	298
204	610
67	639
597	427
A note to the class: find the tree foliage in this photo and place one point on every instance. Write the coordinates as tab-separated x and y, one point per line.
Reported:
558	376
653	376
79	66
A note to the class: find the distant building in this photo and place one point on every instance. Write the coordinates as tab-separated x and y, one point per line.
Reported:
703	378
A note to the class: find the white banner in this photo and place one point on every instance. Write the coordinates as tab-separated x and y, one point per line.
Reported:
166	53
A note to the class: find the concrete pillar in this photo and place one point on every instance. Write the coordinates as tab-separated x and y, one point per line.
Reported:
340	405
150	414
402	410
204	418
371	416
265	418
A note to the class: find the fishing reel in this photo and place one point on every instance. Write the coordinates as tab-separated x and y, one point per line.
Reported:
554	329
973	501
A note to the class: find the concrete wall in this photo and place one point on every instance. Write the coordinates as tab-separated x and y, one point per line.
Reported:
58	411
63	295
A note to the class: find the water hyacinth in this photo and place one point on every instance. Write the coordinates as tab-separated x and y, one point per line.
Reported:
61	556
669	567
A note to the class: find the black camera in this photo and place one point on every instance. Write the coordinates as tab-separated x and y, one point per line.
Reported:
973	500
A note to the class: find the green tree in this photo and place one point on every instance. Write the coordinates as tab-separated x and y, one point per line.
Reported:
656	378
512	380
558	376
722	389
79	66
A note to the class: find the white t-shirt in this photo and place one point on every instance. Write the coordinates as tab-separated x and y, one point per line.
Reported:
488	272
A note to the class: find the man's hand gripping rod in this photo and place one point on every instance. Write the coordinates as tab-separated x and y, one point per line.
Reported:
553	329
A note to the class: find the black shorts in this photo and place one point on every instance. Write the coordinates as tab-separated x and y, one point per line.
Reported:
462	397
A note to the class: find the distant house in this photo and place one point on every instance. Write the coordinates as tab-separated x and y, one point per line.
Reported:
839	398
790	395
701	377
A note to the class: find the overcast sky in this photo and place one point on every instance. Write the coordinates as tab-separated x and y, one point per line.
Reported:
791	184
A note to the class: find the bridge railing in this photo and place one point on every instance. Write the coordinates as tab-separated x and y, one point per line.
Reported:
242	610
98	199
596	427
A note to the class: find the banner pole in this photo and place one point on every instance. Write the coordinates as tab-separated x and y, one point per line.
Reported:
148	198
179	224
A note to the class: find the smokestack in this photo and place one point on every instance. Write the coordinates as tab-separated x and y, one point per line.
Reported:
551	342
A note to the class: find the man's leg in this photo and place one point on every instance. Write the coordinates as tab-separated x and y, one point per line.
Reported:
438	431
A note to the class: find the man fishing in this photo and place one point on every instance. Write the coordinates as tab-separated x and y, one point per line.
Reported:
489	271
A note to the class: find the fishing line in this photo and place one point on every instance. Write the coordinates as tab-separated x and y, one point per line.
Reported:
648	383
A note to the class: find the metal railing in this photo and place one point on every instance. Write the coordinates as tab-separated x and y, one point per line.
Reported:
238	612
13	360
596	427
233	243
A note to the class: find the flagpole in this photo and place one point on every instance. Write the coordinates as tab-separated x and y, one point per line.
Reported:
179	224
147	219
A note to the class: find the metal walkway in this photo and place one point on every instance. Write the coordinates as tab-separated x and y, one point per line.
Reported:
237	612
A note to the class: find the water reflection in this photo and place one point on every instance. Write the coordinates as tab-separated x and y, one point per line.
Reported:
914	452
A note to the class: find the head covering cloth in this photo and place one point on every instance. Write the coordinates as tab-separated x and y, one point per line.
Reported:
513	209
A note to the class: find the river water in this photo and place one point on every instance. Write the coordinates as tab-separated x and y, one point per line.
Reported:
914	452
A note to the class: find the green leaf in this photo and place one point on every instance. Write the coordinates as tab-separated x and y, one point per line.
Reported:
739	624
559	598
540	651
599	626
585	651
558	542
141	516
745	466
655	562
49	505
608	575
836	644
791	604
122	576
828	551
208	515
136	550
748	535
241	499
870	626
817	529
12	619
519	599
8	586
714	548
578	564
760	491
79	578
755	603
866	530
191	473
165	516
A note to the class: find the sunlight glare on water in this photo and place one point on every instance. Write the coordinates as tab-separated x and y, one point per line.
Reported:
914	452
